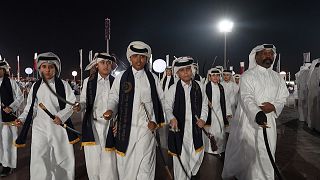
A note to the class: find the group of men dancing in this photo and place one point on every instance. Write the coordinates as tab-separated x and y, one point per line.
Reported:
122	115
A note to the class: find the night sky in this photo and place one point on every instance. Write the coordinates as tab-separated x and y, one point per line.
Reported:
178	28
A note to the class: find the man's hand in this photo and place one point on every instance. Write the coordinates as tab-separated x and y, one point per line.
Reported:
174	123
200	123
57	120
18	122
108	114
7	109
152	125
210	104
267	107
76	108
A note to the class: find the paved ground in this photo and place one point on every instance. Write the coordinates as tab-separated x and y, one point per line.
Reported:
297	155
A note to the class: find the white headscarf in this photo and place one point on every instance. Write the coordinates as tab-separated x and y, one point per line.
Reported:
4	64
101	57
138	47
181	62
49	58
252	55
213	71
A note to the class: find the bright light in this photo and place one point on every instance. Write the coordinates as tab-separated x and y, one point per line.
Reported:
283	73
159	65
74	73
225	26
28	70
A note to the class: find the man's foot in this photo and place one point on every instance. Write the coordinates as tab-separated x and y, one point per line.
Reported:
6	171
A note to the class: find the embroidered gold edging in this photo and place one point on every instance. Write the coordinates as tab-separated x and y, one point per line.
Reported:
74	141
199	149
161	125
19	145
88	143
122	154
11	123
171	153
109	149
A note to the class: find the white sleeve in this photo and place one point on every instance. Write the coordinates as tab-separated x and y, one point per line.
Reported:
17	94
25	112
204	109
281	98
169	102
83	95
247	97
228	104
113	98
65	113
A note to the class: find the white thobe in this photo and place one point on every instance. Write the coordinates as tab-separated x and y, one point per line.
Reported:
52	157
217	128
139	161
303	94
313	88
231	90
100	164
8	152
166	87
190	158
246	155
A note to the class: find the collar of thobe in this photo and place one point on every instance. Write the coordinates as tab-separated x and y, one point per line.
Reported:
1	79
262	69
101	78
185	84
214	84
137	74
50	81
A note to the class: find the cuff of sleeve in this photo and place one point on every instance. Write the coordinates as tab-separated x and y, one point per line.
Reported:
62	118
13	107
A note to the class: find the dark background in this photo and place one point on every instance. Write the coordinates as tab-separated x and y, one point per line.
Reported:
178	28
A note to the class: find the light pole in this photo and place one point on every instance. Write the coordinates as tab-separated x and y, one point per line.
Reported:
74	74
225	26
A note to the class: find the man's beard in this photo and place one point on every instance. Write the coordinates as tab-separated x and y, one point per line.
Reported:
267	62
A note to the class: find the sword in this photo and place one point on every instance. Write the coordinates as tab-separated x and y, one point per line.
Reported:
12	114
213	141
43	107
158	142
265	137
57	95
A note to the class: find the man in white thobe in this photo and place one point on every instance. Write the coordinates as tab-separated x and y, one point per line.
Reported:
263	94
133	97
11	98
220	111
167	80
52	156
231	89
100	163
313	88
191	150
303	92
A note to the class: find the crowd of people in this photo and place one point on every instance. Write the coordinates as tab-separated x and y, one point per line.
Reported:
223	114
